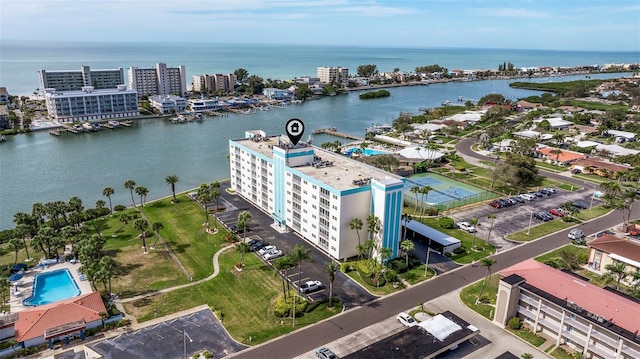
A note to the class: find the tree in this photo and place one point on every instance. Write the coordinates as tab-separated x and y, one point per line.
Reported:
108	192
242	248
300	254
172	180
424	193
130	185
243	222
612	188
204	196
331	268
367	70
142	225
486	262
407	246
215	195
492	217
22	231
616	272
156	226
405	218
474	222
4	284
142	192
361	249
15	244
124	218
415	190
283	264
107	268
241	75
526	356
356	225
557	152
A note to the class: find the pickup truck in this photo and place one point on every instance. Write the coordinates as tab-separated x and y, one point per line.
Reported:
310	286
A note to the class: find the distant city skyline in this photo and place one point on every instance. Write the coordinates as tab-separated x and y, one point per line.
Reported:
546	24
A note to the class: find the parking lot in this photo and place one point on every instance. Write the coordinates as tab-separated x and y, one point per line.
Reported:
351	293
517	217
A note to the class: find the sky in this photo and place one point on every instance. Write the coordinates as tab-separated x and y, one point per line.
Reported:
510	24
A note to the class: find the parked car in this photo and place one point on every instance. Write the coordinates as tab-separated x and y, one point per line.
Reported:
495	204
576	234
466	226
266	249
527	196
556	212
545	192
575	171
258	245
310	286
536	194
272	254
580	205
552	190
505	202
518	199
325	353
543	216
406	320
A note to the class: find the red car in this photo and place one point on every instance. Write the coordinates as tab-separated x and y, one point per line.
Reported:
556	212
495	204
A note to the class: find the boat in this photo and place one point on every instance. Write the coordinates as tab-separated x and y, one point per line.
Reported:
87	126
3	138
446	103
178	119
113	123
96	126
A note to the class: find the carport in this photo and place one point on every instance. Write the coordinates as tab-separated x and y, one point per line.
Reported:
439	241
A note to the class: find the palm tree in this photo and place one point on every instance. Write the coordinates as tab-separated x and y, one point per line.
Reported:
107	192
21	231
156	226
300	253
356	224
629	197
424	191
361	250
142	225
611	187
283	264
172	180
407	246
415	190
142	192
204	196
558	138
331	268
616	271
4	284
130	185
15	243
373	225
406	218
107	268
474	222
492	217
242	247
557	152
385	253
215	194
243	221
124	218
485	262
369	245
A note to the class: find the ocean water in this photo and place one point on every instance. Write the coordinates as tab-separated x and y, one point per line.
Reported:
20	60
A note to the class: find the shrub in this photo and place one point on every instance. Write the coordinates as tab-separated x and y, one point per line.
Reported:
460	168
283	309
446	222
447	254
459	250
346	267
514	323
119	207
390	275
432	211
398	265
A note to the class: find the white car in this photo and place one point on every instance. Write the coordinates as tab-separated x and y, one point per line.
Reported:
527	196
576	234
466	226
406	320
272	254
266	249
310	286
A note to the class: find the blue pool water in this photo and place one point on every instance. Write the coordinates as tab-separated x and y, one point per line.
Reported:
366	152
52	287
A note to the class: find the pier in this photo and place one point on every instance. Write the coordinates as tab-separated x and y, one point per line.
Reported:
334	132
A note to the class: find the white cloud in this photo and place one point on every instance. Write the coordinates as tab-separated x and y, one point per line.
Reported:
510	12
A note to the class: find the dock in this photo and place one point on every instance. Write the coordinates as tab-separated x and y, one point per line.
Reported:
126	123
334	132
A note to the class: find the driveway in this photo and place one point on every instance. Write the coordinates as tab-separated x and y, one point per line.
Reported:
350	292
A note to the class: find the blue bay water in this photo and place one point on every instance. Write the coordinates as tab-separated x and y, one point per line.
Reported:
38	167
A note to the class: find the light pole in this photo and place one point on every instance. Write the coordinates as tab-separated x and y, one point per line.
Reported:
426	262
530	219
293	322
184	342
592	196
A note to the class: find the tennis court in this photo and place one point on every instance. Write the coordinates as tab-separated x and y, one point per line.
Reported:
445	193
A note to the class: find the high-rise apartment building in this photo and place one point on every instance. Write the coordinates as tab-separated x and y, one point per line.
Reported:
317	193
211	83
338	75
161	80
75	80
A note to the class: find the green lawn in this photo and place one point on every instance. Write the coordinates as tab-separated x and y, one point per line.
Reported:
469	295
387	288
591	178
550	167
528	336
185	234
556	252
555	225
416	275
245	300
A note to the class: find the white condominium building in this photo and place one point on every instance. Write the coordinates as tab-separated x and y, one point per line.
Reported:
70	80
317	193
211	83
91	104
338	75
161	80
574	314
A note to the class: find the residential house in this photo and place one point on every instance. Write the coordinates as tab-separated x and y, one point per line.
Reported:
622	136
597	166
563	158
556	123
609	250
573	313
278	94
615	150
166	104
526	105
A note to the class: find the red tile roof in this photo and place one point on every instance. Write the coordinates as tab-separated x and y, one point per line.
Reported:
620	246
563	156
619	310
33	322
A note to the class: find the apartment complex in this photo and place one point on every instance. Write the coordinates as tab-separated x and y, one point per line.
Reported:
160	80
609	249
70	80
338	75
316	193
168	103
577	315
213	83
91	104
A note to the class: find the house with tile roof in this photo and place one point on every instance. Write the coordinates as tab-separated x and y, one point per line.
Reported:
576	315
63	320
611	249
597	166
564	157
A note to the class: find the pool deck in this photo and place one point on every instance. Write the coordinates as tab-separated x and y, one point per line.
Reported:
26	283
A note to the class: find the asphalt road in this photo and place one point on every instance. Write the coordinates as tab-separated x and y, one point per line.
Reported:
370	313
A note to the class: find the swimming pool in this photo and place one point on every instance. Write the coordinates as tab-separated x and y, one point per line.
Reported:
52	287
366	152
